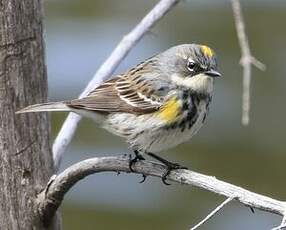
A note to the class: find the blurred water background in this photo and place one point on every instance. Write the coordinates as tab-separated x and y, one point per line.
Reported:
80	34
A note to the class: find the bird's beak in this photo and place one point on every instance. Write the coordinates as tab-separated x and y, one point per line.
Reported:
213	73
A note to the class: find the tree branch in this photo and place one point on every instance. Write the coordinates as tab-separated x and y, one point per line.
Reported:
119	53
246	61
50	199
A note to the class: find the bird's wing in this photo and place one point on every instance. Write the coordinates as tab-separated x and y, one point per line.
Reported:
130	92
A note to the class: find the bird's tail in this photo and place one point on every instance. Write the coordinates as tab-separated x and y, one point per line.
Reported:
50	106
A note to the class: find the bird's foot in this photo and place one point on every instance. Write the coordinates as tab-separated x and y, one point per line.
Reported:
170	166
138	157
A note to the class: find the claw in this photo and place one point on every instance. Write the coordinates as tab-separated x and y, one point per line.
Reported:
138	157
143	180
170	166
131	162
164	178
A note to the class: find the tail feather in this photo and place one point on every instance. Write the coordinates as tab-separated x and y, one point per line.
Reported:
50	106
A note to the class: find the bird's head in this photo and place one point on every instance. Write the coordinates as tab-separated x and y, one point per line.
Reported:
191	66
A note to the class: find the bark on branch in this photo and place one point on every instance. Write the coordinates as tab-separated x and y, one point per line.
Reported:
50	199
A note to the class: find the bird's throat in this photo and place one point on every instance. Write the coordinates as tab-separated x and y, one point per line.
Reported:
200	83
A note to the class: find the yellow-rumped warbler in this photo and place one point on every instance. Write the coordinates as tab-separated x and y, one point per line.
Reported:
160	103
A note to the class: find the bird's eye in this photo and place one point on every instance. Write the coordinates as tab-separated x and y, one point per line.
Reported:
191	65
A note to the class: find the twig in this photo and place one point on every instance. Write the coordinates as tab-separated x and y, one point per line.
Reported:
282	225
212	213
246	61
50	199
125	45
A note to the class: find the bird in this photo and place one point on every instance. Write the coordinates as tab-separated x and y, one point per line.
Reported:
156	105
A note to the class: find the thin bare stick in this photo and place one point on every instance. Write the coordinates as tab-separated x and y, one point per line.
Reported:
50	199
119	53
212	213
246	61
282	225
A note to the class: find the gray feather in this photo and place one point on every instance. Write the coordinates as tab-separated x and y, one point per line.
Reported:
50	106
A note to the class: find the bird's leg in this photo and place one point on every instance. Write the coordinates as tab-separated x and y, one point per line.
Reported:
170	166
138	157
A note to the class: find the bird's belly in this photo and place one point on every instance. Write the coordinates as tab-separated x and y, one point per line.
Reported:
168	138
149	134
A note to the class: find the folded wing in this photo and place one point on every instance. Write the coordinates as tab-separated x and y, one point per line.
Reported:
130	93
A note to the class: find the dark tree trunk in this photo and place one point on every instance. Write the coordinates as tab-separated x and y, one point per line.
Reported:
25	156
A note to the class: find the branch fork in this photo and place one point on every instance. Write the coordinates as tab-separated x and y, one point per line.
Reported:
246	61
283	223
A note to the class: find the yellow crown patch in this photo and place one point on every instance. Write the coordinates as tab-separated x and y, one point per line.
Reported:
207	51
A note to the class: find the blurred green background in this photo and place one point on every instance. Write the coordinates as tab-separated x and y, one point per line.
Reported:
80	34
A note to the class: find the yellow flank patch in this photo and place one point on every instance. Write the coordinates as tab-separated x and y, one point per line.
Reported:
207	51
170	110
